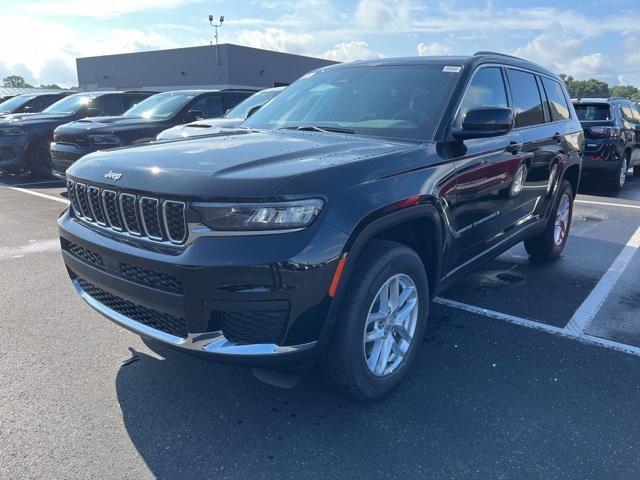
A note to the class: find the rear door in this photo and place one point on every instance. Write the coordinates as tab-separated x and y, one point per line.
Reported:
485	170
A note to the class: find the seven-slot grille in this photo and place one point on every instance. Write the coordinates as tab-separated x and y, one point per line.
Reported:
141	216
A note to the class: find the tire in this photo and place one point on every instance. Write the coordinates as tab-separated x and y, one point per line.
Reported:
39	161
617	180
548	245
344	362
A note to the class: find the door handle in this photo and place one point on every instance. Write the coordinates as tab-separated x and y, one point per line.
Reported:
557	137
514	147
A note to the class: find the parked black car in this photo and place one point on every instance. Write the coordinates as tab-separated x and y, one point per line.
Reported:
612	132
233	118
30	102
322	229
140	124
25	138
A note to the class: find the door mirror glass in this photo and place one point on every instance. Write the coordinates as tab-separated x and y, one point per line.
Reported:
482	122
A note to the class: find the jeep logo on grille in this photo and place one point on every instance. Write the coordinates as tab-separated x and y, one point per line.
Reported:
115	176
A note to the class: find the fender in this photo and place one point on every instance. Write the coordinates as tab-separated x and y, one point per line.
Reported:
368	228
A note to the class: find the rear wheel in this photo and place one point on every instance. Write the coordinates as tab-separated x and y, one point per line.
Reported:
550	243
381	322
617	180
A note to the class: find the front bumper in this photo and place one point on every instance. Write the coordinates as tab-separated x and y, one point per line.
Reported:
12	153
64	155
234	290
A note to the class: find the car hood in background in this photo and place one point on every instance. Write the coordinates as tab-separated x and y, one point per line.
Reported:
201	127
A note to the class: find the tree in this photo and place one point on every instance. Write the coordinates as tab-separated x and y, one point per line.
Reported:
626	91
15	81
51	86
585	88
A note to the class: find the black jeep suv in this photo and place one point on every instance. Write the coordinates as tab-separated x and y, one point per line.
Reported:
25	138
140	124
30	102
612	133
321	230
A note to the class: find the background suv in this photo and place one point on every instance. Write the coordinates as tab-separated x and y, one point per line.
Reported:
25	138
30	102
612	132
321	231
139	124
233	118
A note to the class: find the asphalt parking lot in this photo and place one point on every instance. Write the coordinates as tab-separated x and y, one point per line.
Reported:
527	371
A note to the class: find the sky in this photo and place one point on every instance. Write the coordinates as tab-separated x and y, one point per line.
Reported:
40	39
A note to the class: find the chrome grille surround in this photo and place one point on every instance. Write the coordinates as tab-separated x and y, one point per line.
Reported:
140	216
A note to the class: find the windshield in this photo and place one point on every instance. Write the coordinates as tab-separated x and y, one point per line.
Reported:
161	106
240	111
14	103
69	105
594	112
393	101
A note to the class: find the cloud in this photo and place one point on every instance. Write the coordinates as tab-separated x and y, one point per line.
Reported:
348	51
383	14
277	39
563	53
98	8
434	48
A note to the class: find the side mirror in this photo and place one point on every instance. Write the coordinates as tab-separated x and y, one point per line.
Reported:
27	109
253	110
483	122
193	115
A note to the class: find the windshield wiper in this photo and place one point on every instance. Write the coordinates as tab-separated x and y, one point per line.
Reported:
315	128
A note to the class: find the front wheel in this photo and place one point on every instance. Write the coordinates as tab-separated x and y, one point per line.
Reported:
380	324
550	243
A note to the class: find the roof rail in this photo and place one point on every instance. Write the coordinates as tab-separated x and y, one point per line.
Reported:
487	52
616	98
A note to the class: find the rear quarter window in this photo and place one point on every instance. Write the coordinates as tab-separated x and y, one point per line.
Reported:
558	106
527	102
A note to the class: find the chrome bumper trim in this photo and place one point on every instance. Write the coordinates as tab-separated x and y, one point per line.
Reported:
208	342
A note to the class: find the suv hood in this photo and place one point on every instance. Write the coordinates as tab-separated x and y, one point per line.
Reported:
237	164
109	124
20	119
201	127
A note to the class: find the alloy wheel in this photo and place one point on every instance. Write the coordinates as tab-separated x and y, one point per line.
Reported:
391	324
561	226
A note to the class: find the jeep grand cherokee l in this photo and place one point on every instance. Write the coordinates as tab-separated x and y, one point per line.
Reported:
233	118
139	124
322	229
612	133
25	138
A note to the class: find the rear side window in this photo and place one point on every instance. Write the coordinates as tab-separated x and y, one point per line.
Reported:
636	113
526	98
486	89
210	107
626	113
594	112
558	105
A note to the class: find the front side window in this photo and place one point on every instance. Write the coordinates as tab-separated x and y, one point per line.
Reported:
240	111
160	106
211	106
15	103
557	101
626	113
486	89
110	105
526	98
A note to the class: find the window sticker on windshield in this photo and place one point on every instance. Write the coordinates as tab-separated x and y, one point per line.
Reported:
451	69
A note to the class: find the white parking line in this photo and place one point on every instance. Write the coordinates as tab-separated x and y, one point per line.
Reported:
43	182
42	195
587	311
608	204
524	322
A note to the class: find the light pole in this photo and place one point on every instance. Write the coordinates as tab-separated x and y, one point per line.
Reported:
216	26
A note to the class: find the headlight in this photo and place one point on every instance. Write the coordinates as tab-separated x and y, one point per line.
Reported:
11	132
105	139
259	217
